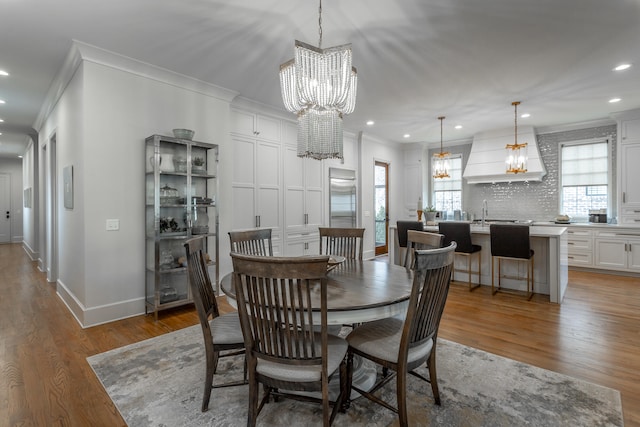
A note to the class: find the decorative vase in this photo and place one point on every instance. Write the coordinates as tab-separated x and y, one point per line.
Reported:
419	215
430	216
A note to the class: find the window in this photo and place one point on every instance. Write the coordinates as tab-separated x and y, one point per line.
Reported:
584	177
447	192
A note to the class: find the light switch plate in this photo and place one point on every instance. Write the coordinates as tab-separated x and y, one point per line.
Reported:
113	224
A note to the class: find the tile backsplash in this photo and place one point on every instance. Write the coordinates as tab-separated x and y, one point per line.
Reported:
538	201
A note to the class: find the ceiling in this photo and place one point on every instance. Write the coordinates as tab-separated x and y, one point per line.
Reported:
416	59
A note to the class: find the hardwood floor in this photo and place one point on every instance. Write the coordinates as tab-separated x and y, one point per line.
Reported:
594	335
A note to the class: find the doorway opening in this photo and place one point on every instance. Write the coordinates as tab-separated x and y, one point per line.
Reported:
381	204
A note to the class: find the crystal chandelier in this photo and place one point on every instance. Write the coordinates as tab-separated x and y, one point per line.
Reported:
516	153
441	159
319	85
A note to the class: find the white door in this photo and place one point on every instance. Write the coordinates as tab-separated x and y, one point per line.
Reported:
5	208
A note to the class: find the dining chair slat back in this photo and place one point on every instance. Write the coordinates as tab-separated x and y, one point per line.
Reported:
346	242
285	351
252	242
420	240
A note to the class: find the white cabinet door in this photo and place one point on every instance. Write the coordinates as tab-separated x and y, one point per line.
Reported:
630	129
630	174
255	125
313	193
611	254
256	186
268	183
634	255
243	193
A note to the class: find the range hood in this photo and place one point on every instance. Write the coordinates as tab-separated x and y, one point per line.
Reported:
486	162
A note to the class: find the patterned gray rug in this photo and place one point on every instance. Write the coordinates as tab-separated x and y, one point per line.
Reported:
158	382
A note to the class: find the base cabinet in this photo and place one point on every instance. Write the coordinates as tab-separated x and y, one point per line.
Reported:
580	247
618	250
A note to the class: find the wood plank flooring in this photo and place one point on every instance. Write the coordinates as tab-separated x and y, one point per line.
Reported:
45	379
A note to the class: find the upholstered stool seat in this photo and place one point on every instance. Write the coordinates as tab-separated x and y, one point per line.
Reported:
460	232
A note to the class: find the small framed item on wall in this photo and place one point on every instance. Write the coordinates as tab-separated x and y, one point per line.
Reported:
27	197
67	180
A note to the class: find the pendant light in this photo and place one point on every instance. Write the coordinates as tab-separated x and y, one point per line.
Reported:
319	86
441	159
516	153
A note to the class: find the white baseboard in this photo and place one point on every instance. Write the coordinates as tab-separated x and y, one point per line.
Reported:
93	316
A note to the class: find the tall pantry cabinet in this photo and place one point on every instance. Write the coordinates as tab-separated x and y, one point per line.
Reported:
628	171
257	174
272	187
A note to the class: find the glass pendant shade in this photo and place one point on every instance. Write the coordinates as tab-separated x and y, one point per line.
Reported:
516	153
441	159
319	85
517	158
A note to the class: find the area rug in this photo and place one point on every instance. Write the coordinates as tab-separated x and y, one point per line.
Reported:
159	382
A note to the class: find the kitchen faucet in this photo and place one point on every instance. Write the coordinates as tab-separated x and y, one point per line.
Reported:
485	210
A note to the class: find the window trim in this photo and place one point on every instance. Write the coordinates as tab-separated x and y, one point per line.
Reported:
610	167
432	186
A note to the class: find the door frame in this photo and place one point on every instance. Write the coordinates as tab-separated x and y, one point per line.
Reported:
382	249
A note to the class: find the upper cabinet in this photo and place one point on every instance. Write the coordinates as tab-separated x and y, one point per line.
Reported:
628	171
255	125
630	130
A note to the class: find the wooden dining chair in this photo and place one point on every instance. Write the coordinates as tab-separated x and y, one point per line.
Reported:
346	242
284	350
252	242
402	345
222	333
420	240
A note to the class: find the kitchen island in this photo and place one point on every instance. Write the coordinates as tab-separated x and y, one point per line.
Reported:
550	266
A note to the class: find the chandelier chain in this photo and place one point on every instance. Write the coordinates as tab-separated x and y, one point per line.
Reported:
320	25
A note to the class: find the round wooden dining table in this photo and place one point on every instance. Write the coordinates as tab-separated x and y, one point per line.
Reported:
357	291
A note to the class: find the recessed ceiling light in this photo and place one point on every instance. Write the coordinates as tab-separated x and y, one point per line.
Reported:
2	101
406	135
525	115
1	120
3	73
19	157
613	100
0	133
370	122
458	126
622	67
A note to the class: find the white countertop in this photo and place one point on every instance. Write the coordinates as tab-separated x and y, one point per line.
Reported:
534	230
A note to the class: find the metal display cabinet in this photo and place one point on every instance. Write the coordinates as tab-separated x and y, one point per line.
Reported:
181	203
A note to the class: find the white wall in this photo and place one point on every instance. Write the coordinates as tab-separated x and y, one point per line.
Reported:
101	273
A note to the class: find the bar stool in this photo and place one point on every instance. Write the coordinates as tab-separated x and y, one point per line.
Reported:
401	229
460	232
511	242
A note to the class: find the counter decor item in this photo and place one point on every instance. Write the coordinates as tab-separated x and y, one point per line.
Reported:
563	219
183	134
430	214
